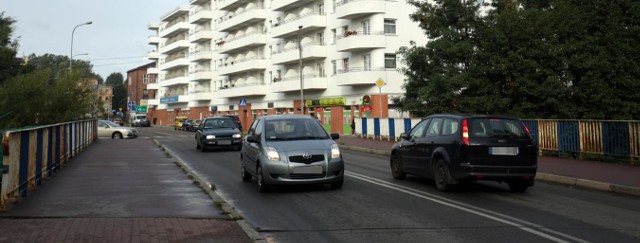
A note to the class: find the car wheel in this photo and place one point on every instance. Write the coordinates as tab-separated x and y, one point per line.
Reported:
337	184
518	186
197	145
262	185
397	170
116	135
203	148
245	175
442	176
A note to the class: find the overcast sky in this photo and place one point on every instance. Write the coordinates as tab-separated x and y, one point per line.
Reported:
115	42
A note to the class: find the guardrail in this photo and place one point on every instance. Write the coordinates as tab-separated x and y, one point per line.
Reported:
586	139
31	155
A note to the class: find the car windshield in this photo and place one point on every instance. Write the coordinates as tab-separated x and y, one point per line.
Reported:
219	123
294	129
497	127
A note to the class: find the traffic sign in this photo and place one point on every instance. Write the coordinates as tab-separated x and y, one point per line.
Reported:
380	83
243	102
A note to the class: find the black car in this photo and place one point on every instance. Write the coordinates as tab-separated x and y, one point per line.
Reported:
193	125
186	124
218	132
459	148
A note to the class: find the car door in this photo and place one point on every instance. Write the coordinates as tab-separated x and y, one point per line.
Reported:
446	139
251	151
428	144
409	147
103	130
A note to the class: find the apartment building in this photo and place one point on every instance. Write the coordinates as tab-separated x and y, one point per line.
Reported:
243	57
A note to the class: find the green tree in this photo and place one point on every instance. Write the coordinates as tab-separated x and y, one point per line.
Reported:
116	81
9	66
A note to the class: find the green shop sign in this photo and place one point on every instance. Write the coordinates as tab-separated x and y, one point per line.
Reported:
326	102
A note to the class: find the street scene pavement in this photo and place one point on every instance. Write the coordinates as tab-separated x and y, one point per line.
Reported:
134	191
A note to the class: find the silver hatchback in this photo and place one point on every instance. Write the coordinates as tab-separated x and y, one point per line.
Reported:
291	149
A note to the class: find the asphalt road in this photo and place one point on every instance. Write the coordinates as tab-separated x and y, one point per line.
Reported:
372	207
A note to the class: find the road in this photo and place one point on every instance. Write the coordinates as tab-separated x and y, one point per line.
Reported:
372	207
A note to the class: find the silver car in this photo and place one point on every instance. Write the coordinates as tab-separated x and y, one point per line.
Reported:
110	129
291	149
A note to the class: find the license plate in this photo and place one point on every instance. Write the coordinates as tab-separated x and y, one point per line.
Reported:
503	151
307	170
224	142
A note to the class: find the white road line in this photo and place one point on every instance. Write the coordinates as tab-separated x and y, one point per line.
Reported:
502	218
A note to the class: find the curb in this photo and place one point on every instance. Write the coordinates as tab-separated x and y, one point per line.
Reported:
218	199
558	179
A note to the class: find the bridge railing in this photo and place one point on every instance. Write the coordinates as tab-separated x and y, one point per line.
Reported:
599	139
31	155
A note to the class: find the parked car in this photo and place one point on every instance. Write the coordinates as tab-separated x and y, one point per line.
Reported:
186	124
460	148
141	121
218	132
291	149
178	124
193	125
110	129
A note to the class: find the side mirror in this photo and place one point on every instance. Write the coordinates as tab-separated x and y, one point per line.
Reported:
252	139
335	136
405	136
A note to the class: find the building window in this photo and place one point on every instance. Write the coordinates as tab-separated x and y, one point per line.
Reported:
366	59
366	27
390	26
320	67
334	36
145	94
320	37
145	79
345	64
334	67
389	61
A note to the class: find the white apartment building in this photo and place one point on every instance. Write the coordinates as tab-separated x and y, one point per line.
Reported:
242	57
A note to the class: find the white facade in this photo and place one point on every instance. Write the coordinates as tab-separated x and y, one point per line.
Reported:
217	52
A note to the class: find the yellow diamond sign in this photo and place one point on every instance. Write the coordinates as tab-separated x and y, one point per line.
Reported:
380	83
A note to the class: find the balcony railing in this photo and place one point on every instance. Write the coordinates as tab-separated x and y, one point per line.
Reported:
352	41
366	76
352	9
239	20
312	50
308	21
289	84
246	40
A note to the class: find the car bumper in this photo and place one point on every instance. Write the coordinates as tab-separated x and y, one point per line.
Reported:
280	173
222	142
485	172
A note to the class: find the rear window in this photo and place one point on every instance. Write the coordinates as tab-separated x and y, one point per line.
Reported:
496	127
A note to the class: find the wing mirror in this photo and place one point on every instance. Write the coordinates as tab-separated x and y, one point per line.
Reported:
252	139
405	136
335	136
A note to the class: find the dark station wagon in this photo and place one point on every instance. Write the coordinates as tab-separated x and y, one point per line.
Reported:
459	148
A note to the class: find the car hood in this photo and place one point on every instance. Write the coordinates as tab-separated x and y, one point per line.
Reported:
307	145
220	131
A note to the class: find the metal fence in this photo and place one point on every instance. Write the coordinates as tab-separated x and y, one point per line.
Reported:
31	155
590	139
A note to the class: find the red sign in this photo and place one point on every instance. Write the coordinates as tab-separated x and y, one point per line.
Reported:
366	108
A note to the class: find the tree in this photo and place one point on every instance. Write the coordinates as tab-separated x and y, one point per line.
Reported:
116	81
9	66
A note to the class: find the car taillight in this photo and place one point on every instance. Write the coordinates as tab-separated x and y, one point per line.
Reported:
465	132
526	129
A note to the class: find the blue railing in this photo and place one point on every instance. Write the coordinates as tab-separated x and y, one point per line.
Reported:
609	140
31	155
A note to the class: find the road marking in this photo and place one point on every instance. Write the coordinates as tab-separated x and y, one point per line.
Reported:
524	225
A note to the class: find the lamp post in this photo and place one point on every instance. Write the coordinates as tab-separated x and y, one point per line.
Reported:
72	32
302	105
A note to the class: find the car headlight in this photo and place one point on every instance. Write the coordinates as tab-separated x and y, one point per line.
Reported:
335	151
237	135
272	153
211	136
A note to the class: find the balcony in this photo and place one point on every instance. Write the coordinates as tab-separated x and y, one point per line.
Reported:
353	9
153	86
291	84
174	99
200	75
229	5
174	47
310	22
153	26
309	51
201	35
360	42
201	95
284	5
242	91
242	66
174	29
153	40
151	102
240	42
175	13
153	71
180	80
154	55
201	16
200	56
173	64
361	76
241	20
198	2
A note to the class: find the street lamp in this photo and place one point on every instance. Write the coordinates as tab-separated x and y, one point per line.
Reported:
72	32
302	105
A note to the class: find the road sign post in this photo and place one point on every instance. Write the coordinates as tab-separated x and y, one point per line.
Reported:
380	83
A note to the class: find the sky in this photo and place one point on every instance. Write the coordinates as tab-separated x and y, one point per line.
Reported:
116	41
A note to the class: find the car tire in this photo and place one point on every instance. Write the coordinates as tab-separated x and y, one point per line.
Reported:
262	185
397	170
442	176
116	135
245	175
203	148
197	145
518	186
337	185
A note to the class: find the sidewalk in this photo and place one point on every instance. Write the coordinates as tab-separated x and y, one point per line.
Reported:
126	190
609	177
